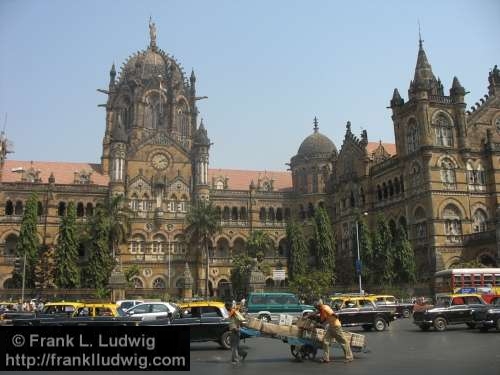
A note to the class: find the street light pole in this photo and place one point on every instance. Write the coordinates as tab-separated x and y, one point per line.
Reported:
24	278
168	244
358	262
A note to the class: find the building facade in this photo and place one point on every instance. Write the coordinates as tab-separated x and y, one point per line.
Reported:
439	180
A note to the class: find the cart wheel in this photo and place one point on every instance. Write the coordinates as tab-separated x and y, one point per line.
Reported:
296	352
309	352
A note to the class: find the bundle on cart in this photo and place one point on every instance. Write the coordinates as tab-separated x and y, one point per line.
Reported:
355	339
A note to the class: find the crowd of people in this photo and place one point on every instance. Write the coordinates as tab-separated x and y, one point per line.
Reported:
33	305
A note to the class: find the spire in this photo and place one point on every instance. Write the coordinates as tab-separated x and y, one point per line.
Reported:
396	99
112	75
192	80
315	122
457	88
348	126
423	70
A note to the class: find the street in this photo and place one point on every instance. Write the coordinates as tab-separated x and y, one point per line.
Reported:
402	349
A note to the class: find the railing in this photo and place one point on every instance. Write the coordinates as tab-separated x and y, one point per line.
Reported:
441	99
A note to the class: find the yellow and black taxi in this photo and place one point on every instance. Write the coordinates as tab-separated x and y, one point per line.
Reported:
450	309
93	310
388	301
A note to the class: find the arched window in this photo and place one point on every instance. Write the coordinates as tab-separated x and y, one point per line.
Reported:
61	209
219	212
79	209
262	214
159	243
10	245
479	221
384	189
412	138
315	182
226	214
154	111
134	202
448	173
159	283
396	186
420	224
271	214
444	131
287	213
89	210
279	214
391	189
136	282
453	223
379	193
243	213
234	214
183	121
219	185
137	245
9	208
18	210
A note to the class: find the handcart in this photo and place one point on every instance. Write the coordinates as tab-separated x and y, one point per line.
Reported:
306	348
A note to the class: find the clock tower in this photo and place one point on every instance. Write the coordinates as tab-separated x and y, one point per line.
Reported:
155	155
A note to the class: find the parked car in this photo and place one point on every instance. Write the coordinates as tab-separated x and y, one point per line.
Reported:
97	309
450	309
268	306
152	310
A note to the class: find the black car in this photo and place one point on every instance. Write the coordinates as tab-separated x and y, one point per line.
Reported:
440	317
369	317
487	317
208	321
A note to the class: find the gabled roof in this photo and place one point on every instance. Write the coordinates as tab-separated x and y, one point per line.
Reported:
64	172
241	179
390	148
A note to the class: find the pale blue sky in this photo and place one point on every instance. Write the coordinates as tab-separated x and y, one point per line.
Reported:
268	67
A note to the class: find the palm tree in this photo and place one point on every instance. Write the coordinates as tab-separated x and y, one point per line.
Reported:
118	215
259	243
202	223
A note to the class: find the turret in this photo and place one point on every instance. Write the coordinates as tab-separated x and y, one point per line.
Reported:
457	94
112	75
201	146
494	80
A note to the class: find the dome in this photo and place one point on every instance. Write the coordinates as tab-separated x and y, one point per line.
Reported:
147	64
316	143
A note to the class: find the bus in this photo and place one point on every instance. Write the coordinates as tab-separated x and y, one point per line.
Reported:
467	280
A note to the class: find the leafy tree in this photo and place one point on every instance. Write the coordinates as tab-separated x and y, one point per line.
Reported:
240	273
67	273
259	243
130	272
202	224
366	252
28	244
324	242
45	268
311	286
404	258
117	215
101	261
383	253
297	250
474	263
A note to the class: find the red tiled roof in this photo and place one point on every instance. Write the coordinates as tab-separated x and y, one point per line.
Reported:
389	147
64	173
241	179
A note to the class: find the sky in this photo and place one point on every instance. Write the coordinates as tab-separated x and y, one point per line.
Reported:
267	67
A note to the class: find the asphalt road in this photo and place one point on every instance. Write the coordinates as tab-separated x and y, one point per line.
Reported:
403	350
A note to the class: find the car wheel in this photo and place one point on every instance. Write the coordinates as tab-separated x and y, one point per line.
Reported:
471	325
265	318
367	327
406	313
379	324
225	340
440	324
424	327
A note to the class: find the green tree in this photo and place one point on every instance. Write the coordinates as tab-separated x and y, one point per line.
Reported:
130	273
324	241
28	244
383	253
366	251
202	224
117	214
240	273
259	244
67	272
297	250
404	258
474	263
311	286
101	261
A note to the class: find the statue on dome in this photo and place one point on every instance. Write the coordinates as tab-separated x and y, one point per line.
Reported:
152	32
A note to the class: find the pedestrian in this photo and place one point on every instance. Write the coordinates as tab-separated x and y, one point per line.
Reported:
333	330
237	354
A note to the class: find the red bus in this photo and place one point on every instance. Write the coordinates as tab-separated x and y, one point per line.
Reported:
467	280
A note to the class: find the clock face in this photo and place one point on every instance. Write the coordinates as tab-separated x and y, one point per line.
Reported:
159	161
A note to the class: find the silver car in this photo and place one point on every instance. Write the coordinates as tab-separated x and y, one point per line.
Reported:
152	310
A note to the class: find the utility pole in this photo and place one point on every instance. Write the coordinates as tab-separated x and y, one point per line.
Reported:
24	278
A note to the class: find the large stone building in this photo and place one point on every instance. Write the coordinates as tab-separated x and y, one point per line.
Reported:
441	179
